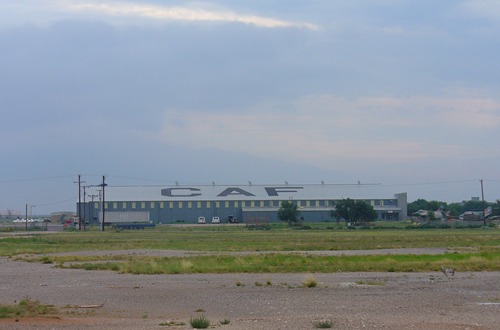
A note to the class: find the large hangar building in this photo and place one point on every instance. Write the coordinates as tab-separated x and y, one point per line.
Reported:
185	203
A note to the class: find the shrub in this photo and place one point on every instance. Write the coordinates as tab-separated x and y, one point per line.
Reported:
310	282
225	321
323	324
200	322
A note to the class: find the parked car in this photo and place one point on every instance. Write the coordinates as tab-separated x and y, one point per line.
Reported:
215	220
201	220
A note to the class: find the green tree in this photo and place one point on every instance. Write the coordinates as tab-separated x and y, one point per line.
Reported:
289	212
353	211
458	208
422	204
495	208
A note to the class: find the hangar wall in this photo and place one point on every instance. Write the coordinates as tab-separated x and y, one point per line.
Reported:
184	204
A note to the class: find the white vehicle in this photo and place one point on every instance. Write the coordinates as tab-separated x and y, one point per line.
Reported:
215	220
201	220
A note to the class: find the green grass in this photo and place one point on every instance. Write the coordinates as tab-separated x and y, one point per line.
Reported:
237	238
486	259
477	249
26	308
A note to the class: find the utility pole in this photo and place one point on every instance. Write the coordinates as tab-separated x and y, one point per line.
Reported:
103	202
484	211
79	209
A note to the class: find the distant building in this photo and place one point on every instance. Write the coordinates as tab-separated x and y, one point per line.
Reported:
61	216
185	203
9	214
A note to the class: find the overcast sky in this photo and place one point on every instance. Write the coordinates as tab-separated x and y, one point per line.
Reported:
398	92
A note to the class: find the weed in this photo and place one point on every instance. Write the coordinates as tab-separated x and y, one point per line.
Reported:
323	324
310	282
257	283
26	307
238	283
46	260
200	322
269	283
225	321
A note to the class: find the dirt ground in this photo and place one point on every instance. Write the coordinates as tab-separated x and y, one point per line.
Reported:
107	300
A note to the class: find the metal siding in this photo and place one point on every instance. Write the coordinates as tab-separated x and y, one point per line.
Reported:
308	197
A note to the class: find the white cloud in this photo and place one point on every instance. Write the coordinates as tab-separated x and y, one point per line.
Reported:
186	13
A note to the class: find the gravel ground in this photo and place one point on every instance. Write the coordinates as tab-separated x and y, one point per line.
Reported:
107	300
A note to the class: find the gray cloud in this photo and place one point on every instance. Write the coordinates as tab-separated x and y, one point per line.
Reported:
91	91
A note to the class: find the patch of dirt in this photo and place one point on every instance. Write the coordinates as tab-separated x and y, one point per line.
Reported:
107	300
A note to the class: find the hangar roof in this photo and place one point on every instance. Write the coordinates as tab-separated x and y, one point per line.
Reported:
247	192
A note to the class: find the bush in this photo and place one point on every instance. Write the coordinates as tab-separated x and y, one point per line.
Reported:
310	282
323	324
200	322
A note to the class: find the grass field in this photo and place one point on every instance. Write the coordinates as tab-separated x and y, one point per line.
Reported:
473	249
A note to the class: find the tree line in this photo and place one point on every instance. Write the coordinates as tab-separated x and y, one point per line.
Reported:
454	209
352	211
357	211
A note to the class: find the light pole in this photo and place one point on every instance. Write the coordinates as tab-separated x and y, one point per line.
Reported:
84	208
92	206
26	220
31	213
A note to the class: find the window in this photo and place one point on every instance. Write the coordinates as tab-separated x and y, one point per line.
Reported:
317	203
152	205
217	204
235	203
162	205
143	205
243	204
180	205
171	205
133	205
190	205
115	205
226	204
124	205
198	205
308	203
208	205
261	203
252	204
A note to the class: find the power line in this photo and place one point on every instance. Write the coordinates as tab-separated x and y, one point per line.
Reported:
35	179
